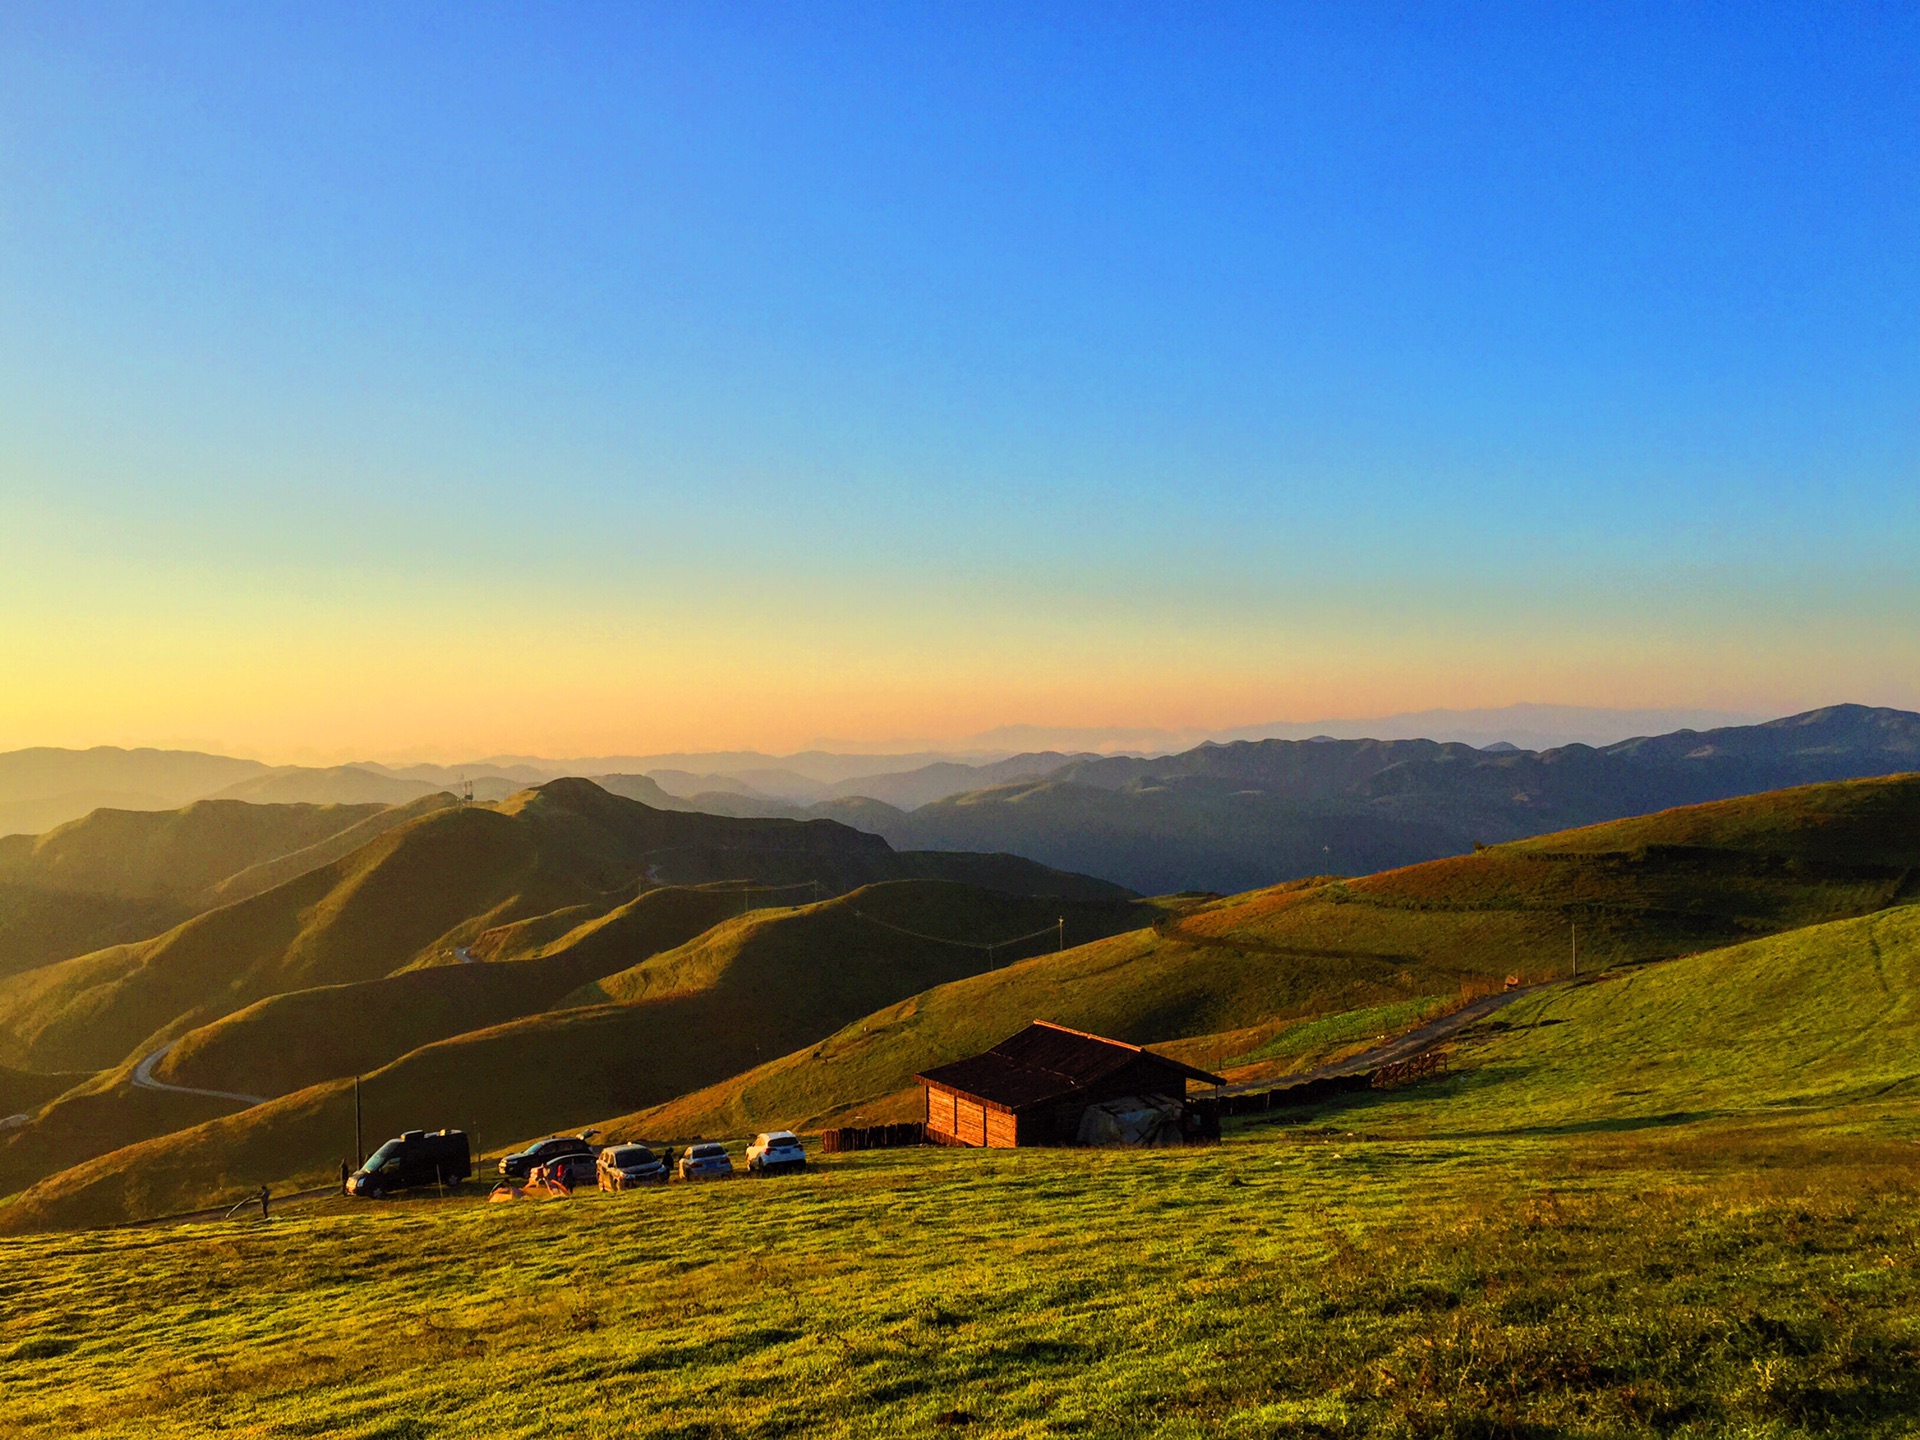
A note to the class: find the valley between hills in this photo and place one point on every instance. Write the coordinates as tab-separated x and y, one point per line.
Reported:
198	1001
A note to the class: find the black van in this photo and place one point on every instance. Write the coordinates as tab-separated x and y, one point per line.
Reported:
415	1158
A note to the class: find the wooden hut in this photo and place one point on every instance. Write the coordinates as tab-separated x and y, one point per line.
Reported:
1033	1088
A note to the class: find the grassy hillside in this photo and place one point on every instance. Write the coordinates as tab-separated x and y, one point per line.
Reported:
91	1116
807	1016
755	986
358	918
1604	1228
414	893
23	1091
1233	979
121	875
169	852
290	1041
1816	1020
264	874
300	1038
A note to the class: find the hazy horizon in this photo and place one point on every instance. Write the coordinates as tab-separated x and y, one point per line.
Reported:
1528	724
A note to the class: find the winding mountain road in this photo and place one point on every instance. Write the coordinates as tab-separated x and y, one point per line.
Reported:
143	1079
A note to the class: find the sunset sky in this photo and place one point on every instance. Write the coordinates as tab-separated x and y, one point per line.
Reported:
436	380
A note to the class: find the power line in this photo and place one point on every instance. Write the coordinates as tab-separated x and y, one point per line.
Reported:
989	947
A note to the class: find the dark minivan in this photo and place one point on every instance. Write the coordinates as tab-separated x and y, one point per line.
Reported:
415	1158
520	1163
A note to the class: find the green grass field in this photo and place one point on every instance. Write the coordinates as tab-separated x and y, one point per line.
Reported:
1679	1200
1294	1281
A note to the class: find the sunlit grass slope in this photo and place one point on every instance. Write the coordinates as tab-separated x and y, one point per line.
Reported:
291	1041
265	874
755	986
1813	1020
122	875
300	1038
413	894
1231	976
1228	983
360	917
1678	1200
1328	1282
92	1115
170	852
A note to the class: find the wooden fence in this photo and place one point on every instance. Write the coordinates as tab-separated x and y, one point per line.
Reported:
873	1137
1429	1065
1311	1092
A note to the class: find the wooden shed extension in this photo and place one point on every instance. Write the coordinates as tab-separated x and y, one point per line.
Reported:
1033	1088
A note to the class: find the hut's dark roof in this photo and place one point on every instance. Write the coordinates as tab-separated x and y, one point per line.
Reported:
1046	1062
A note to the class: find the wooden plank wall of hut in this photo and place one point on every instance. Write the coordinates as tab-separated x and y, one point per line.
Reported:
1002	1130
969	1120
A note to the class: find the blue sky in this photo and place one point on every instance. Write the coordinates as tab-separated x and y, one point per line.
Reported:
702	376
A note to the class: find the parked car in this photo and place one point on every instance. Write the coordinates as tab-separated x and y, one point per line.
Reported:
774	1152
572	1171
517	1165
706	1161
415	1158
624	1167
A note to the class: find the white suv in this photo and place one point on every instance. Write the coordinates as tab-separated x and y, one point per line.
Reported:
705	1161
773	1151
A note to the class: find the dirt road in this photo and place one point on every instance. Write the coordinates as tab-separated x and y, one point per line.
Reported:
1401	1047
143	1078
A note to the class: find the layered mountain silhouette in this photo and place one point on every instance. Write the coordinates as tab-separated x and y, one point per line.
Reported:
1231	817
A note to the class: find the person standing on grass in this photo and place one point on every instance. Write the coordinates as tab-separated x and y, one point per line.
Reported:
265	1196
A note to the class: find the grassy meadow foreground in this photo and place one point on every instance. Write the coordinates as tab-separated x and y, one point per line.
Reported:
1677	1200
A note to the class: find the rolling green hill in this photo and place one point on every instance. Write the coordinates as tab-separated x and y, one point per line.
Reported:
1242	984
302	1037
413	894
755	985
169	852
122	875
1225	983
360	917
1823	1020
1677	1201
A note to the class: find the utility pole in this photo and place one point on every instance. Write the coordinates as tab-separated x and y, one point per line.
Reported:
359	1150
1063	932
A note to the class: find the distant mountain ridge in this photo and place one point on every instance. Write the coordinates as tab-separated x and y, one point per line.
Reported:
43	789
1219	817
1235	816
